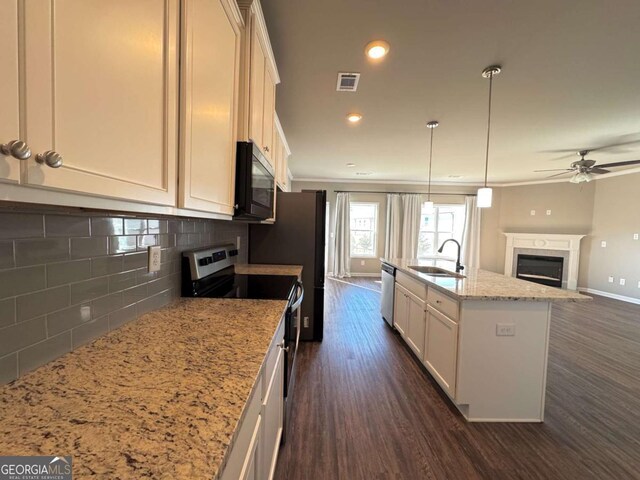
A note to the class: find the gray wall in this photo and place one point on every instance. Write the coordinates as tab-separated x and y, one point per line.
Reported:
67	277
616	217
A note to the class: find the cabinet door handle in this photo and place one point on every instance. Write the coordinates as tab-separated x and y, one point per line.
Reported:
281	345
266	149
17	149
50	159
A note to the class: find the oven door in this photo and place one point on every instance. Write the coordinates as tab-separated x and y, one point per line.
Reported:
291	339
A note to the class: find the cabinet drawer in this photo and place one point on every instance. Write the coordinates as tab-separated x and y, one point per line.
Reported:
416	287
443	303
272	355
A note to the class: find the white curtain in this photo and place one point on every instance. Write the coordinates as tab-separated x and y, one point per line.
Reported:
341	244
471	235
411	209
393	238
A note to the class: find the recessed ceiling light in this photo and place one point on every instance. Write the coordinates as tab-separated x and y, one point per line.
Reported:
354	117
364	173
455	176
377	49
350	165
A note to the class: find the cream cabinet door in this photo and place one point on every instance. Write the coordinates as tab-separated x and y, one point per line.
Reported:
101	91
272	413
251	469
268	126
416	325
9	88
441	350
210	70
400	310
256	89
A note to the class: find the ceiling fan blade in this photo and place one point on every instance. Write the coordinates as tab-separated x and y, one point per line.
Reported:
599	170
619	164
556	170
561	173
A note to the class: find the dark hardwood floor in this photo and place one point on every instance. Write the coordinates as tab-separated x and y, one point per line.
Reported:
365	409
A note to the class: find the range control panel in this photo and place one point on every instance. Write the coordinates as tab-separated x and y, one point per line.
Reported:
205	261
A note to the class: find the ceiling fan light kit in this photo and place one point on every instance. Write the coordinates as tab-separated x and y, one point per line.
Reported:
584	170
485	194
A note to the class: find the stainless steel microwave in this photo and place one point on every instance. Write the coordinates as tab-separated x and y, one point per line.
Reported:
255	184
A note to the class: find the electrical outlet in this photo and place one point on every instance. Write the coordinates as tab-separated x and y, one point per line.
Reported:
306	322
505	330
154	259
610	279
636	236
548	212
238	243
638	284
603	244
362	262
533	213
622	281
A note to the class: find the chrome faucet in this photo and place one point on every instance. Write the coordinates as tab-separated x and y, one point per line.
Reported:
459	267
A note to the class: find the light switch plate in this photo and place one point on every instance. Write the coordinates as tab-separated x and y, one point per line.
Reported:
548	212
505	330
533	213
154	259
623	281
603	244
610	279
636	236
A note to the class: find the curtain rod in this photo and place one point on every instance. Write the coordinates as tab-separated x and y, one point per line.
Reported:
420	193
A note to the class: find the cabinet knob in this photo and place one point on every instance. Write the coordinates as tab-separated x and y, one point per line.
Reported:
266	149
50	158
17	149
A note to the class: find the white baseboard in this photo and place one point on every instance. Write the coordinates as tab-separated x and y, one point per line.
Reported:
365	274
615	296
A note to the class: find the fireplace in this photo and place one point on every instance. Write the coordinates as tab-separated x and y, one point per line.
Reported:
543	269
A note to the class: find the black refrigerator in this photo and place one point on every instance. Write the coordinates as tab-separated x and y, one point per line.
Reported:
297	238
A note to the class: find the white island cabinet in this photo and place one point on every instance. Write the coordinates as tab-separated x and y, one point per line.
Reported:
483	337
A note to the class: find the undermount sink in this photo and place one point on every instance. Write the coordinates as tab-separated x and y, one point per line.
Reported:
436	271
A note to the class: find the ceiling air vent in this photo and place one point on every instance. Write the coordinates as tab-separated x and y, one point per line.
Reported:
347	82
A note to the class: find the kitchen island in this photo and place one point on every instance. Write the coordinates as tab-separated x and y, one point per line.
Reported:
483	336
161	397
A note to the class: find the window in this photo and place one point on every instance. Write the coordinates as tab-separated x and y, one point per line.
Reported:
445	221
364	229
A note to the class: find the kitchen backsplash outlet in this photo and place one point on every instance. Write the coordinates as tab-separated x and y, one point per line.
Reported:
66	279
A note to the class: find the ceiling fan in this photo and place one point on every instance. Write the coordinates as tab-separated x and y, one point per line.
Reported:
583	170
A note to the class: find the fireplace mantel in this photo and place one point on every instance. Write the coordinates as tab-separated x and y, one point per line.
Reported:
546	241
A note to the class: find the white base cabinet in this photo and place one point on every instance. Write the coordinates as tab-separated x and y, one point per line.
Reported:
490	376
254	452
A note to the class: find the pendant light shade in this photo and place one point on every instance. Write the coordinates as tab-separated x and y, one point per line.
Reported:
485	194
428	205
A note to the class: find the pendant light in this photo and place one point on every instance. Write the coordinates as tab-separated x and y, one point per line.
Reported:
485	193
429	204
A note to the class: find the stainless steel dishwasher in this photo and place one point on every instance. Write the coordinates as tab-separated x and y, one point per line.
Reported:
388	287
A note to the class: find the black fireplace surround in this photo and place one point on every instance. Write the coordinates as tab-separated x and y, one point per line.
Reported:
540	269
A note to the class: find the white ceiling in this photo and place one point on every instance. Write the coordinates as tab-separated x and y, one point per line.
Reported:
570	80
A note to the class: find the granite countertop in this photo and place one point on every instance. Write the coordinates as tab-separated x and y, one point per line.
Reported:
260	269
161	397
484	285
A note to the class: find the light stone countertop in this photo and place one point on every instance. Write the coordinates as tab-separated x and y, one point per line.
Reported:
160	397
260	269
484	285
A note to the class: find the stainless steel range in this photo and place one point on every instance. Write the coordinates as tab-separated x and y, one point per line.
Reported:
210	273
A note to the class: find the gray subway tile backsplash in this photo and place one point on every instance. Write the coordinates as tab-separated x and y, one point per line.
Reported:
7	312
36	251
68	272
66	279
21	280
66	226
42	302
7	259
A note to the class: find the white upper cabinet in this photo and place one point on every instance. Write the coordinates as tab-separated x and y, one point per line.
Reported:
282	153
101	95
9	92
259	82
210	87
